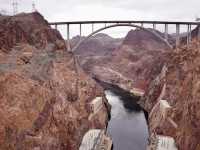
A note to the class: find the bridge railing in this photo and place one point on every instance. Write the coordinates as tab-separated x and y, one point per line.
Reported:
142	23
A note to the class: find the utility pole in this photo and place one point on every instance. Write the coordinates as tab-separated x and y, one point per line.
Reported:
15	7
33	7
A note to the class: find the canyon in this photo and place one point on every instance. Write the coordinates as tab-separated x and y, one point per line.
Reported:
141	52
163	75
52	99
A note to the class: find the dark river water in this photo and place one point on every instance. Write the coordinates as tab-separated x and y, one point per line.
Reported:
127	126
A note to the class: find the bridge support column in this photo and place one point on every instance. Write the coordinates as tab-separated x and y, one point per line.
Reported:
154	26
68	38
188	34
80	30
166	32
177	35
92	27
56	26
190	37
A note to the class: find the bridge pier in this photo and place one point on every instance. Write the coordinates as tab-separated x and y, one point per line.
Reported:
92	27
80	30
68	38
188	34
177	35
154	26
166	32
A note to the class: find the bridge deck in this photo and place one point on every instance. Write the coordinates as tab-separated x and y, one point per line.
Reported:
125	21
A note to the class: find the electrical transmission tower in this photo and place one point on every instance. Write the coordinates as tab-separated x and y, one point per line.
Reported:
33	7
15	7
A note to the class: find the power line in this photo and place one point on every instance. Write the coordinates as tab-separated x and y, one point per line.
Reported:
15	7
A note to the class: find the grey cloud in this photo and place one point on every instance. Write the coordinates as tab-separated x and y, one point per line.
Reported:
174	9
66	10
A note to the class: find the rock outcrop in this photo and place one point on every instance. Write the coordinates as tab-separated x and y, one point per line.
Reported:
45	96
179	85
34	31
140	57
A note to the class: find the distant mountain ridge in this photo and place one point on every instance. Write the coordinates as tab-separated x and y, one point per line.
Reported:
133	63
99	44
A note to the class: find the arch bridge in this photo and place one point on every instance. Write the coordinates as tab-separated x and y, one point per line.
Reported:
136	24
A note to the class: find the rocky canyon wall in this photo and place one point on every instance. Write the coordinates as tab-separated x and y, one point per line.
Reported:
178	84
44	94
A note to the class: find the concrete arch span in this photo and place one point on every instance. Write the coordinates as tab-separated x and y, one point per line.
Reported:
122	25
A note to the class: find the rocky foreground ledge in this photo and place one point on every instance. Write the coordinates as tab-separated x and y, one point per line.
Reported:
45	96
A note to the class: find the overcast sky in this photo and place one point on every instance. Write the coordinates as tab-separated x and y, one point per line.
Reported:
69	10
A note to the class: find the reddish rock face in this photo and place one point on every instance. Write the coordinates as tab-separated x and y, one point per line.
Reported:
182	93
44	94
142	40
140	57
27	28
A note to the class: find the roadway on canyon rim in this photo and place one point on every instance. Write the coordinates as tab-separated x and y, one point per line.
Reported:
127	126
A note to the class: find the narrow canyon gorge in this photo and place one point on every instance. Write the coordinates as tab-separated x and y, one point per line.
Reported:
130	92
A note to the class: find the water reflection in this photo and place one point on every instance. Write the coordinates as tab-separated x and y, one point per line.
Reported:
127	125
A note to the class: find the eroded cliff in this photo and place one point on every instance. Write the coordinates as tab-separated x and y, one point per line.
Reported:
44	94
179	85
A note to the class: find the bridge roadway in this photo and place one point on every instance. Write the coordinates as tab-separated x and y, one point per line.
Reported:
131	23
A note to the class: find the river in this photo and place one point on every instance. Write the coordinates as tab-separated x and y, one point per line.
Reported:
127	126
